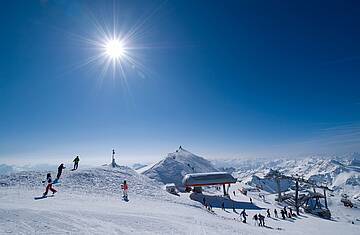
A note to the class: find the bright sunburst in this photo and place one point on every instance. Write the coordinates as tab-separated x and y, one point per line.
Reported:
117	51
115	48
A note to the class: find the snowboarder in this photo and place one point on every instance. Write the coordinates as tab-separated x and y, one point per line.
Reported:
125	187
223	206
60	169
268	213
255	218
76	162
243	214
49	185
275	213
261	220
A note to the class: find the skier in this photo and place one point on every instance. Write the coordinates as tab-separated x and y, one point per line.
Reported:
255	218
60	169
276	214
49	185
233	208
223	206
285	211
204	200
268	213
282	214
261	220
124	187
234	193
76	162
243	214
251	200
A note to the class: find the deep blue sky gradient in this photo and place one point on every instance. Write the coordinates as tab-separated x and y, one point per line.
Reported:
223	79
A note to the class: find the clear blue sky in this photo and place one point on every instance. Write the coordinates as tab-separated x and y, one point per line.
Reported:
222	78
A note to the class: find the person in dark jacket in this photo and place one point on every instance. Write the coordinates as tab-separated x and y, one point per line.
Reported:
243	214
255	218
276	213
76	162
49	185
282	214
60	169
261	220
268	213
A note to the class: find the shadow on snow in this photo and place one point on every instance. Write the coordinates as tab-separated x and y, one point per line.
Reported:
216	202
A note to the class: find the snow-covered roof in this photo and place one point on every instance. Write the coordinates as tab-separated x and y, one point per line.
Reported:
210	178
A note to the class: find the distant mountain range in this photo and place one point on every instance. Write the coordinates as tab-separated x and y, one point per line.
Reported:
342	173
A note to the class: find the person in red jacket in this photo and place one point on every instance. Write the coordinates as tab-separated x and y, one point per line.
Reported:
125	187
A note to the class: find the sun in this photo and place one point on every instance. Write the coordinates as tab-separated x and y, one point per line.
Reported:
115	49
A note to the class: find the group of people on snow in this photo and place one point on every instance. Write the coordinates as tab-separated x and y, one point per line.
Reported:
49	180
284	213
259	219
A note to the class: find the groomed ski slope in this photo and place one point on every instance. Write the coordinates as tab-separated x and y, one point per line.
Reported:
93	205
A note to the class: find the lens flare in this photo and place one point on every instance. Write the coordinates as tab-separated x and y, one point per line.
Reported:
115	49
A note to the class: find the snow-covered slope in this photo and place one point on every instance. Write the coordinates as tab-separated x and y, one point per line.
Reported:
74	211
104	179
89	202
176	165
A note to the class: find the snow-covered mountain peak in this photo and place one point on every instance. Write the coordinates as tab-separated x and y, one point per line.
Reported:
176	165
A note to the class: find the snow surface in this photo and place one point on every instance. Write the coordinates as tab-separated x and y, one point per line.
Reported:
89	202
